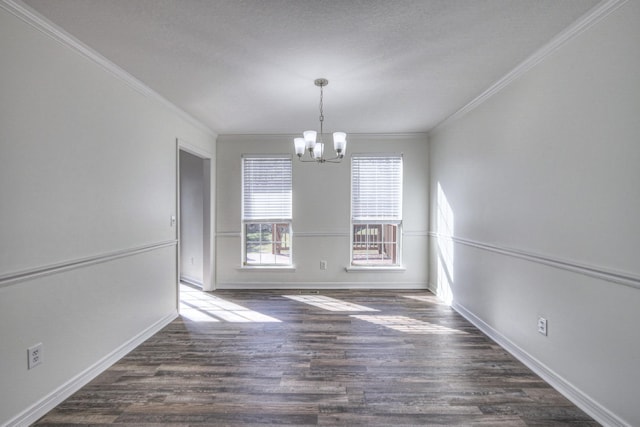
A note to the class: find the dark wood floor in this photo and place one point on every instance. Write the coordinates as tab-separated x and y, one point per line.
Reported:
278	360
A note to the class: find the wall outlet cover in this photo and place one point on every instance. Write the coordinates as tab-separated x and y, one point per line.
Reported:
542	326
34	354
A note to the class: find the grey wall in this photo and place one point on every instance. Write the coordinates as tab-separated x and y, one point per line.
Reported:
87	189
538	213
321	215
191	217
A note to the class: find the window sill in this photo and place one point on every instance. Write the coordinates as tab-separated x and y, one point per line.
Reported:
371	268
263	268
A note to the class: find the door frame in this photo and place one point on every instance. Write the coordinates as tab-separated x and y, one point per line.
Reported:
208	238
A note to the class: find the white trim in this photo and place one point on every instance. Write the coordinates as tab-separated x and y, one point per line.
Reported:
376	154
32	273
621	278
194	149
53	399
286	156
208	243
39	22
416	233
323	234
229	234
324	285
592	17
432	288
374	269
575	395
419	137
269	268
190	281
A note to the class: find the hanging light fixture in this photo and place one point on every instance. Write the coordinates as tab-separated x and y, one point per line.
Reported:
312	143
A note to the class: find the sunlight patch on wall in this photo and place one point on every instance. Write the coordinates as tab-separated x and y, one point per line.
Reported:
444	232
407	324
328	303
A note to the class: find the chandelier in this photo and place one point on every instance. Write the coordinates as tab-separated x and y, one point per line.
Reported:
312	141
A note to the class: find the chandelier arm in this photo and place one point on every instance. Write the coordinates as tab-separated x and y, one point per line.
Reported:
336	159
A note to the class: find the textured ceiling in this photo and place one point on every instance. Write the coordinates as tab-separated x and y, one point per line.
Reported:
247	66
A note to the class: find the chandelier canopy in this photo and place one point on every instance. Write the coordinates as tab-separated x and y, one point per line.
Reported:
312	143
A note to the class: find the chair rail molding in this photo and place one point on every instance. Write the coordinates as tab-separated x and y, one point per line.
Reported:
621	278
32	273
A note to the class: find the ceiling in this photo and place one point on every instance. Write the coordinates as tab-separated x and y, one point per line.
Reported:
248	66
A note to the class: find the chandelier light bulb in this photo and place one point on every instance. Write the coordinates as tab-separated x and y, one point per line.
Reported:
310	138
300	146
318	150
339	142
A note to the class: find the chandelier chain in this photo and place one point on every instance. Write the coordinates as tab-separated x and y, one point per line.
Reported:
321	110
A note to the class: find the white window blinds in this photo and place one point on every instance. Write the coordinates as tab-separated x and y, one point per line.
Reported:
376	188
266	188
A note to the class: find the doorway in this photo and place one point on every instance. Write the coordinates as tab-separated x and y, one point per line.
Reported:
195	250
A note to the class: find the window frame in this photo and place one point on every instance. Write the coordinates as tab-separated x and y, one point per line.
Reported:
381	222
273	220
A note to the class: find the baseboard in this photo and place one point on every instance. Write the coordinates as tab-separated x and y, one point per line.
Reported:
47	403
192	282
568	390
431	287
323	285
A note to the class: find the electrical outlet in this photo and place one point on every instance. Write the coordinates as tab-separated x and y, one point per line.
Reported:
34	355
542	326
323	265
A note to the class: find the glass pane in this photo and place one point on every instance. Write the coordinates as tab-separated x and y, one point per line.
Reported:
253	253
252	232
266	232
389	254
282	234
282	244
285	252
267	258
389	233
268	244
375	244
359	243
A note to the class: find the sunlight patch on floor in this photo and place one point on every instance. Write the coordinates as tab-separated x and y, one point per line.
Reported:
328	303
431	299
407	324
423	298
200	306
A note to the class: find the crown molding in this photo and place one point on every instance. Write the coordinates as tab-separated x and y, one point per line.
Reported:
40	23
596	14
420	137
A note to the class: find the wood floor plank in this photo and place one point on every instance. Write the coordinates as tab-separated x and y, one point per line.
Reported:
412	361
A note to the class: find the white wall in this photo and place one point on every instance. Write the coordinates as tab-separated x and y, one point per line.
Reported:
540	186
87	190
191	217
321	215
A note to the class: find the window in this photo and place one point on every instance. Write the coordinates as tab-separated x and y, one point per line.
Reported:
266	211
376	210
